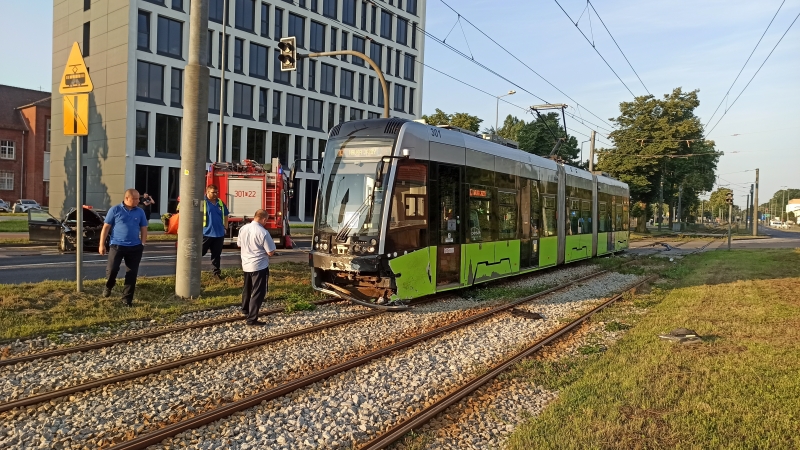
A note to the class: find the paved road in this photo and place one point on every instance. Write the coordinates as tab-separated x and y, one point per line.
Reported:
779	239
34	264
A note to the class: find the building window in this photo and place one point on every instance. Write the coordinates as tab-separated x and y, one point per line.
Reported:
312	75
314	114
6	181
310	164
297	28
280	147
331	115
371	91
317	43
300	75
374	19
334	32
262	104
7	150
258	60
278	75
236	143
345	37
399	97
242	100
402	31
356	114
314	5
170	37
210	49
411	100
86	37
47	144
329	8
238	55
141	132
380	92
375	53
346	84
364	16
265	20
361	80
298	150
358	45
176	88
276	107
328	79
213	95
177	5
349	12
411	6
294	110
143	28
256	145
386	24
342	110
168	135
278	24
373	115
397	63
149	82
301	3
227	51
245	15
87	4
414	36
215	10
408	67
388	60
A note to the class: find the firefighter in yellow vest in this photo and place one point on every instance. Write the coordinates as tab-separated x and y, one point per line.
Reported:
215	224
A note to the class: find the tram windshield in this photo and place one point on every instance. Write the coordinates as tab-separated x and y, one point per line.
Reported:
350	204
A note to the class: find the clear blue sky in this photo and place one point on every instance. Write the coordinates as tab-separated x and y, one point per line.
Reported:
681	43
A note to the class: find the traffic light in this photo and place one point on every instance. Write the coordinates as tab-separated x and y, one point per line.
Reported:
288	55
729	198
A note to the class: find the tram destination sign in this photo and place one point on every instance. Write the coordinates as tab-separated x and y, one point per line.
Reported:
76	78
363	152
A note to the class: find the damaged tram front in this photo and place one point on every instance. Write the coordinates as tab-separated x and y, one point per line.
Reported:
371	205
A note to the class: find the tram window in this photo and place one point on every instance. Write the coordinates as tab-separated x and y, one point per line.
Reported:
625	216
601	217
618	217
408	224
480	214
508	215
535	211
573	212
585	222
549	216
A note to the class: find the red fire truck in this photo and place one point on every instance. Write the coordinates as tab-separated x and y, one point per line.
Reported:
250	186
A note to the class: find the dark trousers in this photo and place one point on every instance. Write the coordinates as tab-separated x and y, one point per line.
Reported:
253	293
132	255
215	245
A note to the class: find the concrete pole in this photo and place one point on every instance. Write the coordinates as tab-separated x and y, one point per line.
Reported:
193	155
755	205
591	152
221	149
678	212
79	213
730	212
660	202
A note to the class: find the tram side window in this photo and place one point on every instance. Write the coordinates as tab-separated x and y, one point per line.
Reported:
625	216
585	222
618	217
408	224
507	203
549	216
573	215
480	214
601	217
536	215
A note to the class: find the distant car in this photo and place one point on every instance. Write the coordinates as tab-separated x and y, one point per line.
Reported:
43	227
4	206
23	205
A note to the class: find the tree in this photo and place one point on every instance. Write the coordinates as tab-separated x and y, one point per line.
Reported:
780	199
717	203
661	141
460	120
540	136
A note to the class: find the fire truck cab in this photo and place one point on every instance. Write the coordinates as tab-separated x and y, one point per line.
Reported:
248	186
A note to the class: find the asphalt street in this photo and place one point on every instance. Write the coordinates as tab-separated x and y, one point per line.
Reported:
34	264
778	239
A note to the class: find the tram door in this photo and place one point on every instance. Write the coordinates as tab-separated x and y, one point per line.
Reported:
450	223
529	208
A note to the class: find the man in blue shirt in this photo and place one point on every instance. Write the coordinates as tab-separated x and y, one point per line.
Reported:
215	222
128	227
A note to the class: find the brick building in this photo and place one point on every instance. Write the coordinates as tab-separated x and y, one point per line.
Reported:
24	144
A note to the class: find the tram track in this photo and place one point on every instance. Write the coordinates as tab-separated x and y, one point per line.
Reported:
283	389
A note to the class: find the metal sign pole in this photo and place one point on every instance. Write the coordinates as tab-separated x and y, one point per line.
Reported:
79	215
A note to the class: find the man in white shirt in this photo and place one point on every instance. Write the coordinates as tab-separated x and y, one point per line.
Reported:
257	246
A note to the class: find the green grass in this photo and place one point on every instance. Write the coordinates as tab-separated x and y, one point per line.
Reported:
155	227
5	214
737	389
13	226
42	309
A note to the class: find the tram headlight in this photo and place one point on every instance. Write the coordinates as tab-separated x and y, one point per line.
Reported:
316	246
356	248
372	249
316	238
373	242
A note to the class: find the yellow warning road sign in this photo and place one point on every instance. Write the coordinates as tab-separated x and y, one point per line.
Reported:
76	115
76	76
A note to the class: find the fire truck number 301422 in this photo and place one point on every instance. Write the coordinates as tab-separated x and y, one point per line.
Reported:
245	194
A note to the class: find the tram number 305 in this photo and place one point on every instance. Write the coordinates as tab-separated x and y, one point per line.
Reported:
435	132
251	194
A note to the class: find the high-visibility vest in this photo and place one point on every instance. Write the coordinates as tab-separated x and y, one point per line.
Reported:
221	208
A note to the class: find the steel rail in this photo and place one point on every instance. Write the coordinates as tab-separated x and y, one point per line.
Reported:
422	417
139	337
143	441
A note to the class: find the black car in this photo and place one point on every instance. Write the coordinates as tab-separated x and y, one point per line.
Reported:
42	227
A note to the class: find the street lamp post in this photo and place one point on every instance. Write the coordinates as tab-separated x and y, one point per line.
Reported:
783	204
497	109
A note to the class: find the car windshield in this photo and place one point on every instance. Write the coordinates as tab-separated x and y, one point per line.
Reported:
27	202
347	204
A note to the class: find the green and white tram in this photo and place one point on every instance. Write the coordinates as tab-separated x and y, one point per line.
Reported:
406	210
